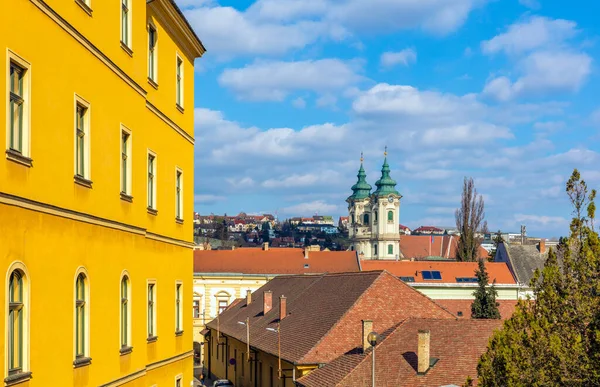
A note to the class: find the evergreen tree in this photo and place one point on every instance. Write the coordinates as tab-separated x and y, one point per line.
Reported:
554	341
484	305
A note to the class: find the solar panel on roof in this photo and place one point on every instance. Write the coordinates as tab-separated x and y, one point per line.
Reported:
408	279
426	275
436	275
466	279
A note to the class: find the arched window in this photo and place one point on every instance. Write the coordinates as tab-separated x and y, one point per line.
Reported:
17	309
81	316
125	315
375	216
374	249
390	216
390	249
366	218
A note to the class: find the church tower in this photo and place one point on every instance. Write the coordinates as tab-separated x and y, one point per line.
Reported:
374	217
359	214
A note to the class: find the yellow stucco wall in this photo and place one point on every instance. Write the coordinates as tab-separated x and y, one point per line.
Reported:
54	226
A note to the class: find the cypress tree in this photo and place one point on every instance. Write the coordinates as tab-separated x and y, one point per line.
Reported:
484	305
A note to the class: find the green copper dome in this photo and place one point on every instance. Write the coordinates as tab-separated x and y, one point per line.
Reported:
386	185
361	189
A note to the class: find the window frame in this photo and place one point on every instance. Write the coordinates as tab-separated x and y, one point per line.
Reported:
125	318
23	154
179	380
86	176
151	309
179	81
196	303
81	358
126	162
390	219
390	249
153	55
178	194
179	307
151	198
22	371
125	6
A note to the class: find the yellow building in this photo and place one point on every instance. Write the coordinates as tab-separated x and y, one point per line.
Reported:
95	191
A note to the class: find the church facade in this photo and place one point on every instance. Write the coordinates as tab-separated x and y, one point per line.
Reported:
374	217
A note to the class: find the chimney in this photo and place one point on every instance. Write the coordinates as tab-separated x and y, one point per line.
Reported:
306	253
542	246
266	246
267	301
282	307
232	247
423	352
367	327
248	297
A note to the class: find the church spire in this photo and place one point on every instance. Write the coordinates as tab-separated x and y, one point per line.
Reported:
361	189
385	185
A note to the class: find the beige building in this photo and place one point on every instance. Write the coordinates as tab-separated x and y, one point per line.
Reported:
222	276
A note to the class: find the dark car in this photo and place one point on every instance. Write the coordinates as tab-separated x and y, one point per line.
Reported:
222	383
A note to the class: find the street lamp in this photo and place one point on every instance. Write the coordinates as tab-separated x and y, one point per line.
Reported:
372	338
278	330
247	324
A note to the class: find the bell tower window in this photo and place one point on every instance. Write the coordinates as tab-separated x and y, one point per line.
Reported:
390	216
375	217
366	219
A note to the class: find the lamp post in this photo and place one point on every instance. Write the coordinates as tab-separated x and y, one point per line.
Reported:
247	324
372	339
278	330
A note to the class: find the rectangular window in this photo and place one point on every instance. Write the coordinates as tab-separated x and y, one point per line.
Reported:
18	78
178	381
179	82
125	162
178	304
125	22
151	310
152	53
82	141
178	195
151	181
222	306
196	308
17	103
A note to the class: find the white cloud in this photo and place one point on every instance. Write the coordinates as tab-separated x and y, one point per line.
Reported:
326	100
303	180
532	33
543	72
311	208
299	103
541	220
208	199
404	57
274	80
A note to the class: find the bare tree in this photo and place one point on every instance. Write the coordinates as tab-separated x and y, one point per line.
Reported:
469	218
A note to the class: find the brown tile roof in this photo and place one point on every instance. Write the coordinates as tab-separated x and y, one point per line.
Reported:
498	272
420	246
506	307
457	344
325	313
274	261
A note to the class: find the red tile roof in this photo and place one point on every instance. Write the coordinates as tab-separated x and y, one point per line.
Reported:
506	307
457	344
274	261
498	272
428	229
325	313
421	246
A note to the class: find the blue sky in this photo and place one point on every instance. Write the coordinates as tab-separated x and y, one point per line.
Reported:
290	92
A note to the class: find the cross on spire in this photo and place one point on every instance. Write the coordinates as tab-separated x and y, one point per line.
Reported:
385	152
361	157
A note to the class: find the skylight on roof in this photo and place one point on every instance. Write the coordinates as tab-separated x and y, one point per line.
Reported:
306	266
408	279
431	275
466	279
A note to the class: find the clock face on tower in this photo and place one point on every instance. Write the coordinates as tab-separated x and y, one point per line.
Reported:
390	199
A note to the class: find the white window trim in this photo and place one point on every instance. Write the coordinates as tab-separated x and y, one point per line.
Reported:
179	98
179	216
179	378
181	304
129	160
129	42
123	274
87	173
86	352
18	265
154	185
153	77
11	56
154	319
